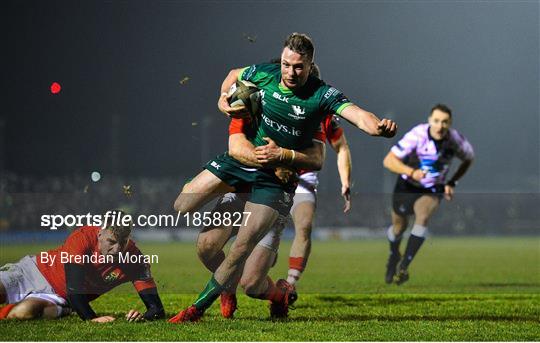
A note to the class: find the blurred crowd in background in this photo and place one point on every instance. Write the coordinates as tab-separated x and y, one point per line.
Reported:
23	200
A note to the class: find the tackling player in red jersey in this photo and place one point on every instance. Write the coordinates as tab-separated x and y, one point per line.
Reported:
305	199
67	278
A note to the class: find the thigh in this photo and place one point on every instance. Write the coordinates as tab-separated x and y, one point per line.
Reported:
203	188
306	191
302	215
273	237
425	206
257	221
206	182
217	236
30	308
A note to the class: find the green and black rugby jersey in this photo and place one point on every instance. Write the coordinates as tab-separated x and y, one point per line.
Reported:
291	118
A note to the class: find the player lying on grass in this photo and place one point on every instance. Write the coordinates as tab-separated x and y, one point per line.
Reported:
44	287
294	104
422	160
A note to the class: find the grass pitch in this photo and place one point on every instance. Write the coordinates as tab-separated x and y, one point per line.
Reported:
461	289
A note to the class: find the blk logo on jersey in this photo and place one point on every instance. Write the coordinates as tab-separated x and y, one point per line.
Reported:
280	97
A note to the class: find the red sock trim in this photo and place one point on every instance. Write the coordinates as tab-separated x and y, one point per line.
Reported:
298	263
4	311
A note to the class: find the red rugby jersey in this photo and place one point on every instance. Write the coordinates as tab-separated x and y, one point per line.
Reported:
329	130
99	277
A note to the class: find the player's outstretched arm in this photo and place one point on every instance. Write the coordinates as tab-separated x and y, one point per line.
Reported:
368	122
77	296
344	165
395	165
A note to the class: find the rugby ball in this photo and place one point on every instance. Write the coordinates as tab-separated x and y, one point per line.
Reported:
245	93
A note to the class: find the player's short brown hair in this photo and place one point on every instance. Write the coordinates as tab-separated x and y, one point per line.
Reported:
442	108
301	44
120	232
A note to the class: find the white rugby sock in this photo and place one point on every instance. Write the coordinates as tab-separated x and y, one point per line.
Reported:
390	233
293	276
419	230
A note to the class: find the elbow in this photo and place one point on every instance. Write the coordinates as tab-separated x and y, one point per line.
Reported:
233	74
234	152
386	163
317	164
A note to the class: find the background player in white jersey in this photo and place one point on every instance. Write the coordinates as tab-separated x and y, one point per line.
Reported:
422	160
305	199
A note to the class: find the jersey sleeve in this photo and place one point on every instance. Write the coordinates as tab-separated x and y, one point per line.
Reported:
259	73
237	125
406	145
464	149
320	134
333	100
333	129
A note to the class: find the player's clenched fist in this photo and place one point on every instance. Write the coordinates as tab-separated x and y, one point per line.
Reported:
233	112
387	128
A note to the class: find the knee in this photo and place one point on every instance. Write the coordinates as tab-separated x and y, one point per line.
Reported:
23	312
421	219
180	205
251	285
399	229
399	225
206	248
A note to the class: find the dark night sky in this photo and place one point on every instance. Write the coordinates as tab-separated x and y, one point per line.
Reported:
123	62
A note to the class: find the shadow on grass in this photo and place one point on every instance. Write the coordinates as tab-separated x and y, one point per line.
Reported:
432	318
339	300
509	284
398	318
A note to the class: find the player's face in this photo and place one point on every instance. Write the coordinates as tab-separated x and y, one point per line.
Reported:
295	69
439	123
108	244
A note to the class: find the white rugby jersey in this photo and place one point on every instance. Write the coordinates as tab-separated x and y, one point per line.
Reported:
419	150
